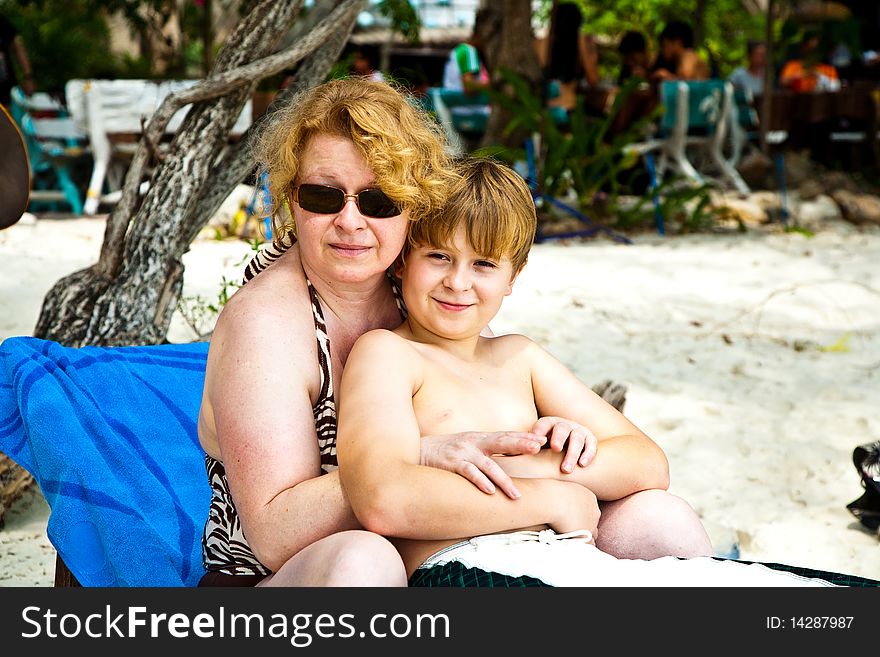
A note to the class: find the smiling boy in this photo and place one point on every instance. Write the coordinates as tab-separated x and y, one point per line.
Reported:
440	374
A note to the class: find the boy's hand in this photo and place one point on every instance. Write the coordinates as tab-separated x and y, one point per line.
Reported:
578	441
468	454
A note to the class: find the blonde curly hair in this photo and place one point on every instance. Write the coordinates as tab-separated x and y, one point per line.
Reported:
403	145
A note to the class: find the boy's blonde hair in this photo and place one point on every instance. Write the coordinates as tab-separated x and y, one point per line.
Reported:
495	206
402	145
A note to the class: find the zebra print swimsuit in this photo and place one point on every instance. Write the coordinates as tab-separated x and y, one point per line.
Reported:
224	546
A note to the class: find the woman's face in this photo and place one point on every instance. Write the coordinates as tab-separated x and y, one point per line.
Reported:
346	246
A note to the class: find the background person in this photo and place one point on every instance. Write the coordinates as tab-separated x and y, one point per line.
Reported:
361	65
464	69
750	77
808	71
567	56
466	72
677	59
634	58
13	53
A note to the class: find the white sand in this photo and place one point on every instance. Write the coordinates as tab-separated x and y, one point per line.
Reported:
727	344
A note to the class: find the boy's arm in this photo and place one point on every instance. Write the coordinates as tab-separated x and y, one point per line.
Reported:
378	450
626	460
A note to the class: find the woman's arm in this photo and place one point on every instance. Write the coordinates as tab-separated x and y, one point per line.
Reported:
391	493
626	460
261	367
589	54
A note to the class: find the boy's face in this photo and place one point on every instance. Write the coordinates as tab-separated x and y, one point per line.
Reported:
454	292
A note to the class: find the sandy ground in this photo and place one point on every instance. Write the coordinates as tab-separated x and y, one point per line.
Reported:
752	359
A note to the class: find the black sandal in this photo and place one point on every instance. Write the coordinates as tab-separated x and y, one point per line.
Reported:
866	458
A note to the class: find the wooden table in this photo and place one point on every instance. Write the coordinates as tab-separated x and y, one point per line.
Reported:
819	120
790	108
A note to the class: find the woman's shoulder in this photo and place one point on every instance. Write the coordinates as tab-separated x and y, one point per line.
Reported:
272	301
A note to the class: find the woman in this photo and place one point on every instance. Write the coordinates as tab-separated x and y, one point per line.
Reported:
678	59
567	55
267	424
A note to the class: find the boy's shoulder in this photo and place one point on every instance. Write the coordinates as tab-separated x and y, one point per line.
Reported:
380	337
384	344
513	342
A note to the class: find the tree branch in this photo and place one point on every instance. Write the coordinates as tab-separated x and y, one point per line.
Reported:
223	83
237	161
214	86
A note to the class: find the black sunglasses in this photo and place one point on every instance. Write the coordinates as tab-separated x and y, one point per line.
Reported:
323	199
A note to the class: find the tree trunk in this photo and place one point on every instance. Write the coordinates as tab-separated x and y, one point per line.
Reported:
507	39
207	36
129	295
700	23
14	481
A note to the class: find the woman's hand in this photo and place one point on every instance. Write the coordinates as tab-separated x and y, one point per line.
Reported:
579	442
468	454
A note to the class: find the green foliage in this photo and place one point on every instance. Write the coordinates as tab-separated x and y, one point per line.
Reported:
806	232
403	16
581	155
342	67
69	39
683	205
200	313
65	39
727	26
846	31
599	167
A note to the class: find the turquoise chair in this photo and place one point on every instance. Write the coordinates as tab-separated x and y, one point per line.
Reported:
54	144
462	116
695	122
743	124
710	106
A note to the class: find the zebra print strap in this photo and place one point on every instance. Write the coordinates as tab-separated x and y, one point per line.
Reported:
263	258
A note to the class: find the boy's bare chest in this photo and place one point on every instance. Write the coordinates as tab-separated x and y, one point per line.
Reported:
459	398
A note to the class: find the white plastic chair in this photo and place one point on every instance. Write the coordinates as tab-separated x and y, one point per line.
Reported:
120	107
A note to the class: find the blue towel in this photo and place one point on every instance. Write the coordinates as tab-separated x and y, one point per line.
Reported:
109	434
